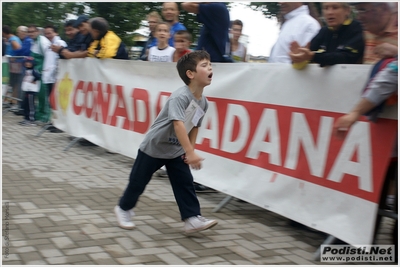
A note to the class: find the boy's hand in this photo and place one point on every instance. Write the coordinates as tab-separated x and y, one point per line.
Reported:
193	160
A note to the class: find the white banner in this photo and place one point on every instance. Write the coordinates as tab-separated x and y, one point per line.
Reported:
266	137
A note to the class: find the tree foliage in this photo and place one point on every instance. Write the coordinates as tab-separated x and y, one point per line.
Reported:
39	13
269	9
123	17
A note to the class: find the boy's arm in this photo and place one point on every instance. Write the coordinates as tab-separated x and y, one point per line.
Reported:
193	136
191	157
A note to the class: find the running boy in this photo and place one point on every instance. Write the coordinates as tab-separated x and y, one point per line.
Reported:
182	40
162	52
170	142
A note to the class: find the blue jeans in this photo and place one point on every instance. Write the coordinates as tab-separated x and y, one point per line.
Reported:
179	175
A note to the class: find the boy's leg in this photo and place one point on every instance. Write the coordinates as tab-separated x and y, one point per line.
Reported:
141	173
31	105
25	106
182	185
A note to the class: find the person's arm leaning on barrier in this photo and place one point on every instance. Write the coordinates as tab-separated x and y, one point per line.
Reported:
349	53
381	88
66	54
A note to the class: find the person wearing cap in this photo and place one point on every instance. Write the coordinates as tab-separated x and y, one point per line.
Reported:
83	25
379	21
75	39
106	43
82	43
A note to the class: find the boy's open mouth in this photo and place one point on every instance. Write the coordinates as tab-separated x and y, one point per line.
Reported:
210	76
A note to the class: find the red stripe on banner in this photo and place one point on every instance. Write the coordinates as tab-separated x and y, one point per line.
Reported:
298	142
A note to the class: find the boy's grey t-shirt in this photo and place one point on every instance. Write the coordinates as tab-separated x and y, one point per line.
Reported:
161	141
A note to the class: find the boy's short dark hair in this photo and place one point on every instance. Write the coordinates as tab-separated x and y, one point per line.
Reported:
163	23
189	62
237	22
70	23
185	35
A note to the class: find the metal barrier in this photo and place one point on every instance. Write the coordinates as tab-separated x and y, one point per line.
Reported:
13	72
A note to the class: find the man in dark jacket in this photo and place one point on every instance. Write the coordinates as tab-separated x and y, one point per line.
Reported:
80	44
214	35
75	39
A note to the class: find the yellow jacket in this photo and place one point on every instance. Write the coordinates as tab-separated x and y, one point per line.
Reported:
108	48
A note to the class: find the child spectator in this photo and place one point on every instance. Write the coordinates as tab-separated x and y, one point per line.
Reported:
182	40
238	50
162	52
170	142
30	85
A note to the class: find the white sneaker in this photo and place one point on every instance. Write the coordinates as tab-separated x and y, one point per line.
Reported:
124	218
198	223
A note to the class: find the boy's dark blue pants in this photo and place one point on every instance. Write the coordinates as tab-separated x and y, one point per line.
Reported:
28	105
179	175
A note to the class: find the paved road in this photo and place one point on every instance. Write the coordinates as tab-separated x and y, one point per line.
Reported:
58	209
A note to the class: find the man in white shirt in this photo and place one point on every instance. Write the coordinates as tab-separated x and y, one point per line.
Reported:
40	51
298	26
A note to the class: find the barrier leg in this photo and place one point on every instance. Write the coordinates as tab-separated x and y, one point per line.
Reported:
329	240
44	128
73	142
222	203
10	108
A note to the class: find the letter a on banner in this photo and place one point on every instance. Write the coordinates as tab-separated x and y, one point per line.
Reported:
268	125
240	112
316	153
209	129
358	138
